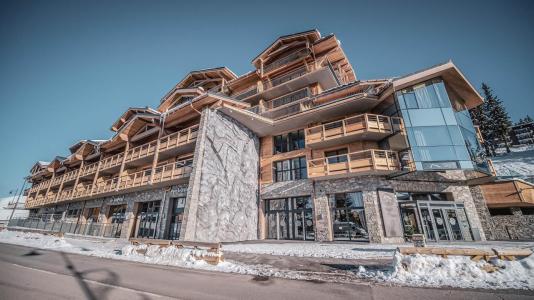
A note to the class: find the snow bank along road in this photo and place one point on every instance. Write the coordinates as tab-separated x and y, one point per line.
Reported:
29	273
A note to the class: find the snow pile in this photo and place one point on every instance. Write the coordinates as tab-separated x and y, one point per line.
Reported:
455	271
171	255
330	250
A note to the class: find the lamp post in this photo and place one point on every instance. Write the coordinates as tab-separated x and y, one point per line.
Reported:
17	202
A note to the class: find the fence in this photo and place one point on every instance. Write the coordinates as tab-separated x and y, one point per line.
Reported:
110	230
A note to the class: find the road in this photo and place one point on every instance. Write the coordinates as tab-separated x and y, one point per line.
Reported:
27	273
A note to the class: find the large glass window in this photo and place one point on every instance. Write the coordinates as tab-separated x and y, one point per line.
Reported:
290	218
348	219
291	169
336	156
289	141
439	137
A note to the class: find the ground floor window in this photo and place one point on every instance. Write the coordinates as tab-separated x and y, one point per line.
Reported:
148	219
176	217
290	218
117	217
435	215
348	216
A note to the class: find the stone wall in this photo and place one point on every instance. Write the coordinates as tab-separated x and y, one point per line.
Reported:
222	203
483	213
513	227
371	186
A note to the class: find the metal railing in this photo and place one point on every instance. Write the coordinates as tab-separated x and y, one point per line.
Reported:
286	77
284	60
360	161
247	93
110	230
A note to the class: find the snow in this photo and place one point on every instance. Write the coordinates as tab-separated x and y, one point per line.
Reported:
415	270
516	163
307	249
455	271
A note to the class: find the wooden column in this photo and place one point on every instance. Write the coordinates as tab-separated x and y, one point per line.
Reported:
156	156
96	176
122	165
60	188
49	185
78	175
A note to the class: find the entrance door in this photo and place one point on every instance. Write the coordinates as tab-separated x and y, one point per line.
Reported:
348	216
117	214
440	224
177	216
148	219
290	219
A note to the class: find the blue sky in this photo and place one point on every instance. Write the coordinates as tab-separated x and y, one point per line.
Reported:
68	69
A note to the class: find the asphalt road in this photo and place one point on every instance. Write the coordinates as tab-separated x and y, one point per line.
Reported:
27	273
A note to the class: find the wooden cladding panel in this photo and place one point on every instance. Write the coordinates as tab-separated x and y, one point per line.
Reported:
508	193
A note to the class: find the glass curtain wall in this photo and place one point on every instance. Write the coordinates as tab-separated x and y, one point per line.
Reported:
440	138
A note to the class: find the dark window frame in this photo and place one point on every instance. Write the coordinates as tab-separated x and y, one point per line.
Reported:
289	141
290	169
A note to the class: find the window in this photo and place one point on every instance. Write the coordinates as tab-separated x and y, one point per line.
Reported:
348	216
407	196
500	211
336	156
289	141
291	169
527	211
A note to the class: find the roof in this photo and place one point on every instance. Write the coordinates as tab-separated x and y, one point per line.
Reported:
127	115
313	33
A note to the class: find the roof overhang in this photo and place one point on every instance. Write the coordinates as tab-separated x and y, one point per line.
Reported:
453	78
264	126
508	193
312	35
132	111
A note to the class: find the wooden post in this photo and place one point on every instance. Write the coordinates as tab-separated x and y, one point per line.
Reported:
373	159
96	176
78	176
49	185
122	165
60	189
156	157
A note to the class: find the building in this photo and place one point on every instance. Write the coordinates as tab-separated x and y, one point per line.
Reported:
298	148
522	134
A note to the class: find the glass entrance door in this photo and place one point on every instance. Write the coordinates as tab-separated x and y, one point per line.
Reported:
290	219
148	219
177	216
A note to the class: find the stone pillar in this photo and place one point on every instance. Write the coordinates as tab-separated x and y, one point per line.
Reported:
129	225
322	219
222	202
483	212
372	216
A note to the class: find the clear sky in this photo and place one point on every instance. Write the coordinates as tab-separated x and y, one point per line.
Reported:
69	69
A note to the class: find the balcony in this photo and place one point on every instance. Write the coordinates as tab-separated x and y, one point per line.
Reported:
89	169
285	60
70	175
178	139
139	152
360	162
366	127
286	77
108	185
246	94
111	161
65	194
82	190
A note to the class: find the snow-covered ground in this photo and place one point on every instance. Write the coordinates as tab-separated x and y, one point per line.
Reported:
520	162
418	270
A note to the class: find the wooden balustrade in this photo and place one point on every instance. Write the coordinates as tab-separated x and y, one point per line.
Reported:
89	169
112	161
179	138
142	151
174	170
360	161
349	126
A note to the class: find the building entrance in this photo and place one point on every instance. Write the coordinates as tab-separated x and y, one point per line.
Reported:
438	219
290	219
148	219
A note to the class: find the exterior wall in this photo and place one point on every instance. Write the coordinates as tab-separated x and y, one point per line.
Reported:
222	204
377	191
514	227
483	213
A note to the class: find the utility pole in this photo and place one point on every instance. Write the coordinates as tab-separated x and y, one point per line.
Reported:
17	202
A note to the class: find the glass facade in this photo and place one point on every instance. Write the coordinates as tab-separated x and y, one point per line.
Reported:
290	218
348	216
441	134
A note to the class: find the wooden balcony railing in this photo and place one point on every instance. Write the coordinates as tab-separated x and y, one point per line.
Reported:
355	162
135	179
349	126
107	185
65	194
89	169
112	161
174	170
70	175
142	151
294	56
179	138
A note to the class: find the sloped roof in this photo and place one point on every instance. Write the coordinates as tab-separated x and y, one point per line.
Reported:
314	34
